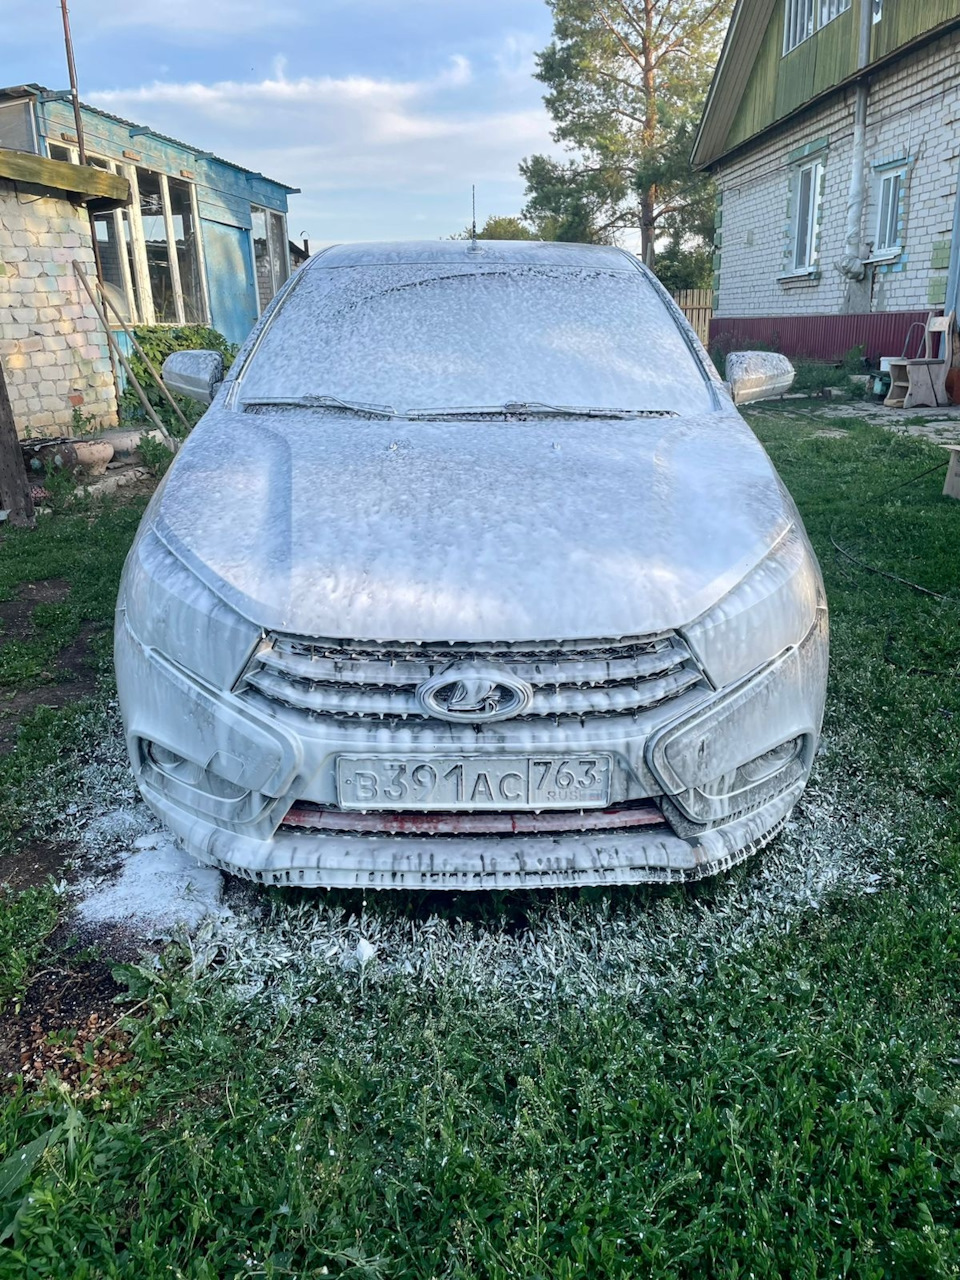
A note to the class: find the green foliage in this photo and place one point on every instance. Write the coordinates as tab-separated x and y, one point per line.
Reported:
155	455
854	361
26	920
678	268
82	424
625	85
158	341
501	228
814	376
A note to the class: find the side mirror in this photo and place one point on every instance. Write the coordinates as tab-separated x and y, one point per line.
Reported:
758	375
196	374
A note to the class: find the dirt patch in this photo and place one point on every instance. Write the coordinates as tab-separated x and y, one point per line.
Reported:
16	616
68	1025
75	676
35	862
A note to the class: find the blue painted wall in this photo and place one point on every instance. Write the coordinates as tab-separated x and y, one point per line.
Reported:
225	193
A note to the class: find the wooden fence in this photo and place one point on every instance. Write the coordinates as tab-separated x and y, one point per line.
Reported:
697	306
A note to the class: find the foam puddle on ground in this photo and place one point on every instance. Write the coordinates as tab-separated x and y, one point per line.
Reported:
159	891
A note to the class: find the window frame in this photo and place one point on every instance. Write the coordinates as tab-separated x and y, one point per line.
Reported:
811	217
285	265
809	16
894	213
137	281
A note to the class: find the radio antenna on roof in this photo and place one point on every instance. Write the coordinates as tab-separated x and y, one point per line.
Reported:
473	224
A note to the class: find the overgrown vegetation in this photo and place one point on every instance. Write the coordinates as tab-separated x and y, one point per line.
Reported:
789	1106
158	341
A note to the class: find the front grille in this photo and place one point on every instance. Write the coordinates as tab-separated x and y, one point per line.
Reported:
622	817
380	680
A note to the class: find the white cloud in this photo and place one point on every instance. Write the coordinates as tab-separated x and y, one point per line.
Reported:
515	57
416	143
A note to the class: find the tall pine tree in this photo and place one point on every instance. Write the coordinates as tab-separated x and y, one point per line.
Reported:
626	80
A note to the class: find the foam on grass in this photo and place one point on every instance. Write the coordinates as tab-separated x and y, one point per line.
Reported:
279	946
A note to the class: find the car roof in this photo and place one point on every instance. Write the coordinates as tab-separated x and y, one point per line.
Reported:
545	253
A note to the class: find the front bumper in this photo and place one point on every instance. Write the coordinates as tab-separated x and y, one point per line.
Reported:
264	761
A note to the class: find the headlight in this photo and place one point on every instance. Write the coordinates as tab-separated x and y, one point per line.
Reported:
772	608
169	609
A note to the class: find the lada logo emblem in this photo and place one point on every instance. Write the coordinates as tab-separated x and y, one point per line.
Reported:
473	693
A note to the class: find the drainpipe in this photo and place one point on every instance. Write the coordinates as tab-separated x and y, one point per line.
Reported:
852	264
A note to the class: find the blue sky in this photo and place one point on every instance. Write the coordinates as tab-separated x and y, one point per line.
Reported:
382	112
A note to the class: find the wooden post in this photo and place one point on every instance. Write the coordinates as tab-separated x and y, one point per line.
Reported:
15	496
951	487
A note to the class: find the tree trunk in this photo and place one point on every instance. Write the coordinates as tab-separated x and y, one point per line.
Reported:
14	482
648	229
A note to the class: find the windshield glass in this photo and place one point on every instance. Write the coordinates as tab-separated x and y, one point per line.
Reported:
459	336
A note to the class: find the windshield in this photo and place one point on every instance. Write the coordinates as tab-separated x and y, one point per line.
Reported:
463	336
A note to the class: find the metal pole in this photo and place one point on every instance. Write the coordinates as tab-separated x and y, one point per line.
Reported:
72	69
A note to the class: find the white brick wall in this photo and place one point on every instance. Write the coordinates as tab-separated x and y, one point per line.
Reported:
914	112
52	346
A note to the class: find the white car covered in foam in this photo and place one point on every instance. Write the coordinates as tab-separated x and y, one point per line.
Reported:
471	576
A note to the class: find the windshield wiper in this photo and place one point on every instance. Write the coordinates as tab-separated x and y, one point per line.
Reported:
536	408
322	402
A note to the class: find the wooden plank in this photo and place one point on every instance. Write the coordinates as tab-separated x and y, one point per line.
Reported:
15	496
59	175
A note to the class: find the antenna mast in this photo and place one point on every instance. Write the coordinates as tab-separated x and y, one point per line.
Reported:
473	225
72	69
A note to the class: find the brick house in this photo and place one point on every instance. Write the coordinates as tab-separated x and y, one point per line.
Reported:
832	129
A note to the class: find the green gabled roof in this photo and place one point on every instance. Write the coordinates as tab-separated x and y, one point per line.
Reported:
757	87
740	49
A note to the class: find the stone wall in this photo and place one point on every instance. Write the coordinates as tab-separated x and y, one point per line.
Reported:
52	346
914	116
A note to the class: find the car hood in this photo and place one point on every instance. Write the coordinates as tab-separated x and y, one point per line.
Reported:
326	525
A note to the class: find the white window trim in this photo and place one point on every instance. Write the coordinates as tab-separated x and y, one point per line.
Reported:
253	264
145	313
812	265
140	249
267	211
881	172
887	175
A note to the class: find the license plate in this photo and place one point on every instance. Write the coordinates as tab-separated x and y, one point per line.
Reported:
473	782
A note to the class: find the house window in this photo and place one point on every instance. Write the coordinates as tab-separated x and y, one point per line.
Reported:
270	252
158	250
188	258
877	10
803	17
169	224
809	182
17	127
888	220
60	153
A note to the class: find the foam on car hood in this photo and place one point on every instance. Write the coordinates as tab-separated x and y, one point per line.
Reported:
322	524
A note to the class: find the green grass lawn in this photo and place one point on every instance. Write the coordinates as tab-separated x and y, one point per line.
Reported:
784	1104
